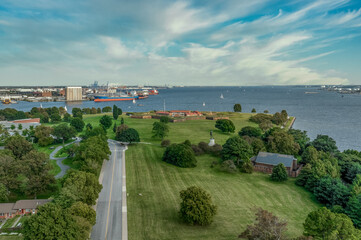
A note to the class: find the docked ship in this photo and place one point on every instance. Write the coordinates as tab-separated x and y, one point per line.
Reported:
114	97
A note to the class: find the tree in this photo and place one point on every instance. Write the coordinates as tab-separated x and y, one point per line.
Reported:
250	131
310	155
43	135
120	112
18	146
300	137
129	135
267	227
331	191
106	109
237	107
353	210
122	121
164	119
55	117
228	166
64	132
165	143
282	142
106	121
180	155
266	125
253	110
78	124
20	126
160	130
84	187
196	207
67	117
115	127
324	224
51	222
4	193
77	112
99	110
12	127
325	143
279	173
83	210
115	112
89	126
237	150
225	125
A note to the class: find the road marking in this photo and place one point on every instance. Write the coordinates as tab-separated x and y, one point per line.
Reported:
124	189
110	197
124	209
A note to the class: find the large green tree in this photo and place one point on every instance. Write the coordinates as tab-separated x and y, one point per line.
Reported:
325	143
43	135
282	142
237	107
4	193
78	124
279	173
64	132
106	121
129	135
196	207
18	145
115	112
237	150
160	130
180	155
250	131
225	125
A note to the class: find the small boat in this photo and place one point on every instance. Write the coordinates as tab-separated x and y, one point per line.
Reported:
41	105
221	96
6	101
134	101
204	104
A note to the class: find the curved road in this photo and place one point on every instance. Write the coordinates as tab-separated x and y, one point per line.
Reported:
59	161
109	206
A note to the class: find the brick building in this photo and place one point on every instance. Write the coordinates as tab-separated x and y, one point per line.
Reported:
264	162
21	207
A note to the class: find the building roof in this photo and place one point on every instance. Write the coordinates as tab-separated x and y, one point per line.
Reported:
30	204
180	111
274	159
7	207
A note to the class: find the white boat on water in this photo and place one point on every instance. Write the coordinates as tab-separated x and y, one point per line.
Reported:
221	96
204	104
134	101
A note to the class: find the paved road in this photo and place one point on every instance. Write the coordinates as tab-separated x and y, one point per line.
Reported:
109	207
59	161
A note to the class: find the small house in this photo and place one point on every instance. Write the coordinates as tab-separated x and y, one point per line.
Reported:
264	162
7	210
29	206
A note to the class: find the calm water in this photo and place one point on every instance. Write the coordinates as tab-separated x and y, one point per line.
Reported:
323	113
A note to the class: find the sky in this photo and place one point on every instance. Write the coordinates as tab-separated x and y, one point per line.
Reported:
160	42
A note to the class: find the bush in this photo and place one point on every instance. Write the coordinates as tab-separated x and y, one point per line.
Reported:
250	131
225	125
228	166
187	142
279	173
197	150
164	119
180	155
237	107
215	150
196	206
247	167
204	146
253	110
165	143
260	117
130	135
106	121
107	109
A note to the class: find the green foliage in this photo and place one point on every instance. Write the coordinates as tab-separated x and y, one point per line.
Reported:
18	146
237	150
310	155
247	166
80	186
331	191
106	109
353	210
83	210
225	125
300	137
164	119
268	227
122	121
279	173
324	224
4	193
280	118
160	130
282	142
250	131
78	124
64	132
253	110
165	143
180	155
237	107
106	121
77	112
55	117
20	126
67	117
260	117
51	222
196	207
99	110
129	135
266	125
43	135
115	127
325	143
228	166
115	112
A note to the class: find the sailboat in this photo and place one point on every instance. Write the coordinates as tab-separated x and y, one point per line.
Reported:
204	104
221	96
66	109
134	101
41	105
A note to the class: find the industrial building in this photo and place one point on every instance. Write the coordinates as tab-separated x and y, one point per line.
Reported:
74	94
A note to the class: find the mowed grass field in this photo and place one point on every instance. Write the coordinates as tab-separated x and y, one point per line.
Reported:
153	198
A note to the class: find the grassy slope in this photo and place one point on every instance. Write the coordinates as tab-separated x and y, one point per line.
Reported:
154	214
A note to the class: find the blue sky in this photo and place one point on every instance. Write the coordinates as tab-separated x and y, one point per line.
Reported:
218	42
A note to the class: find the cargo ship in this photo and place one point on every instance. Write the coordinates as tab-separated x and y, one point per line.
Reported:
105	98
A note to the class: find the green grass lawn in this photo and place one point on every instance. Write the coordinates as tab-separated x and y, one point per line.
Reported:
154	213
56	169
11	237
10	222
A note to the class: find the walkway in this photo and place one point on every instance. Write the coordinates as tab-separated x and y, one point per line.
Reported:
59	161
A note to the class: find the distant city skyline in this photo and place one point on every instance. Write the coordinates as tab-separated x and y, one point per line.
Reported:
204	43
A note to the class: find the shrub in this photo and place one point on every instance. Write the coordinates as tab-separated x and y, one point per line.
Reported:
279	173
130	135
187	142
253	110
215	150
196	206
250	131
165	143
197	150
180	155
225	125
164	119
247	167
204	146
237	107
260	117
228	166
